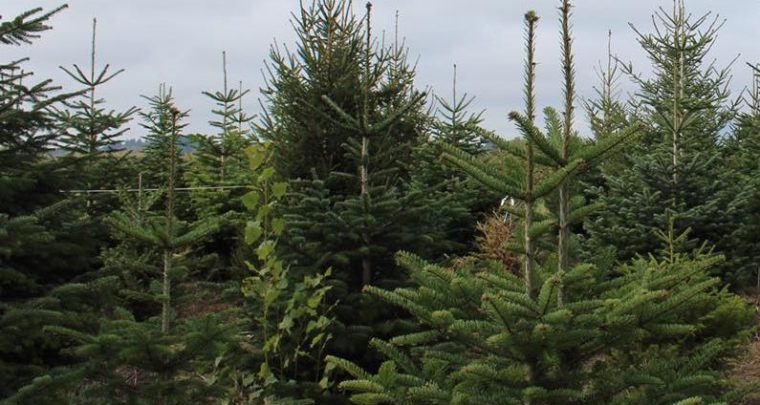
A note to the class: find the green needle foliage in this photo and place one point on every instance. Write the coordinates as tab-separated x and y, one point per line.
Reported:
165	232
346	122
370	130
217	172
563	331
44	243
741	151
159	148
456	196
144	347
92	132
678	171
219	160
328	253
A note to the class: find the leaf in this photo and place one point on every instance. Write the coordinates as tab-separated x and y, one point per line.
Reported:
278	226
264	210
252	286
279	189
264	372
267	174
265	249
314	301
253	232
248	380
324	383
256	157
287	323
251	200
271	297
316	340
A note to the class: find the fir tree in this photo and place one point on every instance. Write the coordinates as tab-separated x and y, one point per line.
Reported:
677	170
219	160
352	201
92	132
371	129
740	153
45	244
564	332
217	172
323	63
464	201
145	347
166	233
159	148
607	113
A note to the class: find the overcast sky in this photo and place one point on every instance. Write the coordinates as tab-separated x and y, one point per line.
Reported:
180	42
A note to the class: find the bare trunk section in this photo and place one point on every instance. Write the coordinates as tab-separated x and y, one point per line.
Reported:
531	20
366	264
166	291
678	73
563	259
168	251
364	164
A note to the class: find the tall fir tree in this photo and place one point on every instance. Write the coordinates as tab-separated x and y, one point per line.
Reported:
91	132
607	113
345	118
45	243
324	63
677	172
740	152
565	331
466	201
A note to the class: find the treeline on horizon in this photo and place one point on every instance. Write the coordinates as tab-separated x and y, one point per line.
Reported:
351	245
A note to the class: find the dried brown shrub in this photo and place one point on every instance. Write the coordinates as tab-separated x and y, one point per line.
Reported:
496	234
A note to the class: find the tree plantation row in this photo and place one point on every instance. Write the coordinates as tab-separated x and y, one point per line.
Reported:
354	245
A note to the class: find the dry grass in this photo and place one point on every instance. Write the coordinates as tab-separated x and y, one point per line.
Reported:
200	301
746	367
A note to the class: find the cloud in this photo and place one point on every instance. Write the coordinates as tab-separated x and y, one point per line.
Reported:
180	42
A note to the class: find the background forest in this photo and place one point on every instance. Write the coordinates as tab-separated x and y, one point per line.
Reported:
363	241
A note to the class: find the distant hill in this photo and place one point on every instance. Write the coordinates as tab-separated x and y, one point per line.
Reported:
137	145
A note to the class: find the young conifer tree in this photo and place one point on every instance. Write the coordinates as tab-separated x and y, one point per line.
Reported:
158	142
677	172
741	152
371	128
219	160
91	131
606	112
345	119
463	201
149	344
217	172
43	242
564	332
166	232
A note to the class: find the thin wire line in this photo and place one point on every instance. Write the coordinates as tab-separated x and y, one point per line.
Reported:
133	190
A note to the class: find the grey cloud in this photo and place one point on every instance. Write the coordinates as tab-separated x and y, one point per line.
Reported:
180	42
